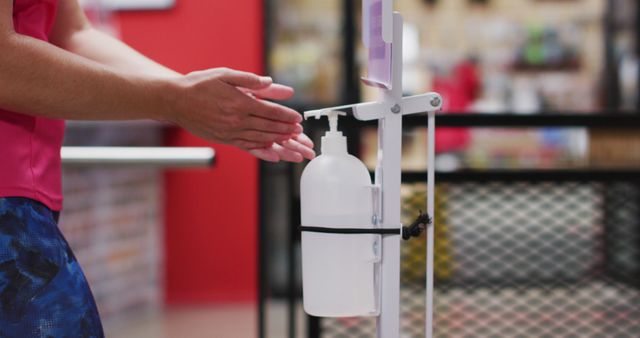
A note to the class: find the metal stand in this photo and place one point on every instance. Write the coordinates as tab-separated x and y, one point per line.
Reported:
431	158
389	177
389	111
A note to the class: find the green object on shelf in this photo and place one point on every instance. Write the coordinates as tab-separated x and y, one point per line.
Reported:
534	49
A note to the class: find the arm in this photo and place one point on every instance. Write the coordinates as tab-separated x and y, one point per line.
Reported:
41	79
73	32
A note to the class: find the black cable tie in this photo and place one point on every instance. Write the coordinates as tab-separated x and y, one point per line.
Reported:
352	231
417	227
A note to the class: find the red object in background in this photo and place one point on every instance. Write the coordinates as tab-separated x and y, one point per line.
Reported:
211	216
458	92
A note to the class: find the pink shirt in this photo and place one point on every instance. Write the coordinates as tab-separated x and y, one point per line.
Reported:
29	145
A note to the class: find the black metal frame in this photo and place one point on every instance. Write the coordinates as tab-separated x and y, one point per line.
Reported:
549	175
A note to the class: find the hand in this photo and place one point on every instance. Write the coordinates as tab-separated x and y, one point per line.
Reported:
293	150
227	106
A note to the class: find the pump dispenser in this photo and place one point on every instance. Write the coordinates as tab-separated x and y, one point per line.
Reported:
333	142
338	270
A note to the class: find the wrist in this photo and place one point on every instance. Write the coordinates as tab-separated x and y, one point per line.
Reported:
169	98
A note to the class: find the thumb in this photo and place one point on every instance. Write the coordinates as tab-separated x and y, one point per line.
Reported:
246	80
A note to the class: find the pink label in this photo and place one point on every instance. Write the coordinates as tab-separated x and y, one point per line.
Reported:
379	51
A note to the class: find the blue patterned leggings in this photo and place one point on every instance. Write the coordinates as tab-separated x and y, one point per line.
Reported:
43	291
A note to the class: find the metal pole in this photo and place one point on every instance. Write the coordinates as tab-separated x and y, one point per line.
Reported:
431	138
263	258
292	294
165	157
390	156
611	84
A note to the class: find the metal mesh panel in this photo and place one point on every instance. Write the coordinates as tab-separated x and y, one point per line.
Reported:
522	260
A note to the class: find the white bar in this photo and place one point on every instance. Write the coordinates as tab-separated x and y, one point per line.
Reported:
390	154
137	4
368	111
371	110
421	103
431	138
163	157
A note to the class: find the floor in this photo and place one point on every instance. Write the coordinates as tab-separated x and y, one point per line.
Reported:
594	310
228	321
587	310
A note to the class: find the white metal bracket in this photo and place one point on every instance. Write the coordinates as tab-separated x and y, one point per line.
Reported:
423	103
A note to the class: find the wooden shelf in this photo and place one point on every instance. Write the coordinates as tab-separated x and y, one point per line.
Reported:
568	66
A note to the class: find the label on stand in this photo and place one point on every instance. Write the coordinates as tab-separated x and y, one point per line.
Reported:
380	56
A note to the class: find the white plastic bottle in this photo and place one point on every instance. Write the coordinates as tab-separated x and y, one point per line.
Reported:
338	270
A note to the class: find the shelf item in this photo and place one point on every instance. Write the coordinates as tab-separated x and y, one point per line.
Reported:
526	148
566	66
413	259
548	48
414	153
614	148
487	148
305	49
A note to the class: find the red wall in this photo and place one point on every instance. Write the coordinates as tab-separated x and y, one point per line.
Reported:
211	215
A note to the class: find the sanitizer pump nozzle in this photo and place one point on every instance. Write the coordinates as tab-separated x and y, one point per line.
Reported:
333	142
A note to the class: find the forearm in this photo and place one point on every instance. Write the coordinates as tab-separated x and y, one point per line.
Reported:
107	50
41	79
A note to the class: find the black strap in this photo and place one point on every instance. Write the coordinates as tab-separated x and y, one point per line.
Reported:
351	231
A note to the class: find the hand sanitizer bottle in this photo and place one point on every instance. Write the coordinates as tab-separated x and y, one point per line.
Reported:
338	270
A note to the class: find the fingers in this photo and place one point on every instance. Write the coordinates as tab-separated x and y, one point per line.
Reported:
293	145
252	103
248	104
247	80
265	154
291	150
249	145
304	139
273	111
262	124
261	137
277	153
287	154
273	92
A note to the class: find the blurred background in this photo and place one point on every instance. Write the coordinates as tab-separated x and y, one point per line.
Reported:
538	171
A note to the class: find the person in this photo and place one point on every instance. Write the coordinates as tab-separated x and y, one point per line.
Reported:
53	67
